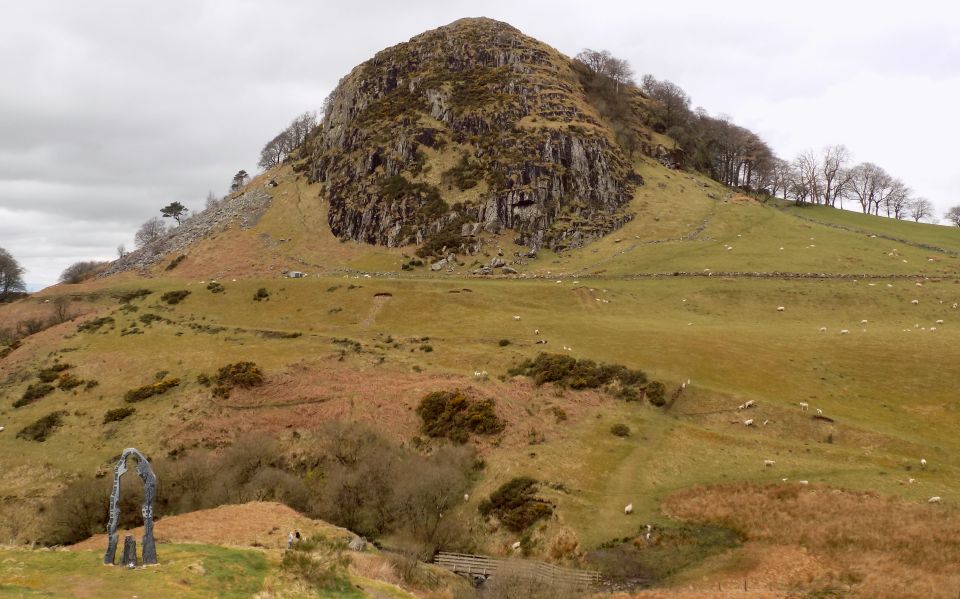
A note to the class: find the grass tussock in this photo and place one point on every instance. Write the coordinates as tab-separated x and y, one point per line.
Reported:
874	545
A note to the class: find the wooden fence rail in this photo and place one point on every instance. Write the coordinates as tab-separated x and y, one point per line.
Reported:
480	565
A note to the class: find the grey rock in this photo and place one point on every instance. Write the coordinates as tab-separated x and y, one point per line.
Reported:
497	262
439	264
357	544
509	271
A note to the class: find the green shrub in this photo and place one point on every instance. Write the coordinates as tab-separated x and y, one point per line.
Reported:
118	414
92	326
567	371
174	297
261	295
42	428
465	174
426	348
453	415
620	430
515	504
48	375
90	385
214	287
504	342
148	319
657	393
176	262
147	391
32	394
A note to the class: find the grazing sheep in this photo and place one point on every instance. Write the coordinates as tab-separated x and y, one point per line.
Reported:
804	406
784	479
748	422
741	406
749	404
515	546
768	463
823	329
910	481
536	331
780	308
649	532
954	306
934	499
2	428
864	321
915	302
844	332
628	509
923	463
804	482
516	318
940	321
819	412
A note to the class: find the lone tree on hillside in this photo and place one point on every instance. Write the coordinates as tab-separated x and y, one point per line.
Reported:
953	215
11	276
239	180
150	231
174	210
604	64
920	209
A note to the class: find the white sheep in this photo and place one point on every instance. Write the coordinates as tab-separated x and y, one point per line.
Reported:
910	481
804	406
804	482
780	308
748	422
741	407
823	329
536	331
749	404
844	332
766	422
923	463
915	302
515	546
864	321
628	509
768	463
516	317
2	428
955	306
940	321
819	412
934	499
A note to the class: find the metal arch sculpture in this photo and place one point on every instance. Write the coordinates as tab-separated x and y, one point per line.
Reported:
149	493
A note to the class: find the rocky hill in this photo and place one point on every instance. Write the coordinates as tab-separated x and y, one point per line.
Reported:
470	128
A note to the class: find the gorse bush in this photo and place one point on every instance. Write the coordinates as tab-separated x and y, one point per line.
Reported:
50	374
214	287
620	430
567	371
261	295
126	297
147	391
42	428
92	326
118	414
176	262
174	297
33	393
240	374
453	415
515	504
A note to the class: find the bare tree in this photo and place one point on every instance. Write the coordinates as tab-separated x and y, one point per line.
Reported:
212	201
675	103
920	208
620	71
596	60
150	231
834	173
276	150
121	251
953	215
865	185
80	271
301	127
11	276
61	309
896	199
808	167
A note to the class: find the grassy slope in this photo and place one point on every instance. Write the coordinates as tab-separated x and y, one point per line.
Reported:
887	388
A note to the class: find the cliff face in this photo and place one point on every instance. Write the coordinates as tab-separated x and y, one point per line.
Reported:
467	128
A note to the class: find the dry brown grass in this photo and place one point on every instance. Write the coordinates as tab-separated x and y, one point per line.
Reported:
862	544
257	524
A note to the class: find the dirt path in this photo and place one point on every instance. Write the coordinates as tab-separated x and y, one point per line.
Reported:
379	301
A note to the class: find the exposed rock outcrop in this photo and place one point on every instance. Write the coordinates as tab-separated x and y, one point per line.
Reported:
467	128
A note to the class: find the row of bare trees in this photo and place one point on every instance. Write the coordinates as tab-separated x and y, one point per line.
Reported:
291	138
739	158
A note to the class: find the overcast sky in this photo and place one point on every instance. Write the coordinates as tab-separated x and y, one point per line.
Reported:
111	109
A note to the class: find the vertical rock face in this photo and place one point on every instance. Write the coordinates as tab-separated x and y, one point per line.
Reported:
470	124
